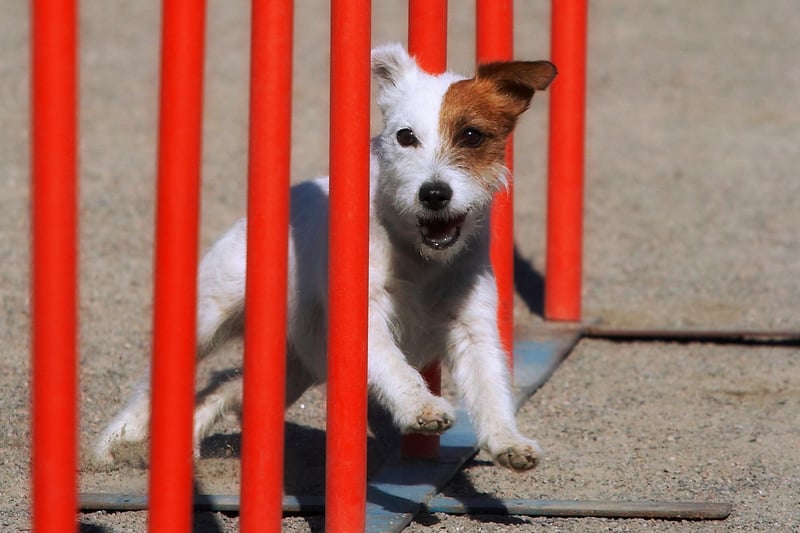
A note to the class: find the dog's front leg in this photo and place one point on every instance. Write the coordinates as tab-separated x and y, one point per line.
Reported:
479	369
398	386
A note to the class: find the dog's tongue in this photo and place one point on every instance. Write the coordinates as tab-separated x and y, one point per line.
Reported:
441	233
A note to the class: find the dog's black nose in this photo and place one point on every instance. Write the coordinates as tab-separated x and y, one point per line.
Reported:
435	195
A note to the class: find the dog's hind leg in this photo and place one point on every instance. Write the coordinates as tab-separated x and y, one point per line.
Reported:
220	287
130	425
220	303
220	299
226	399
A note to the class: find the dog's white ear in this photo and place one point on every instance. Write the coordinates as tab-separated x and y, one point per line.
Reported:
390	63
519	79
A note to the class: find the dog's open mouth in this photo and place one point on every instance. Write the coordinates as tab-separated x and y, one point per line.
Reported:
440	233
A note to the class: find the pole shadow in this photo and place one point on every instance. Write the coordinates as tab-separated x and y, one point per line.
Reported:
529	284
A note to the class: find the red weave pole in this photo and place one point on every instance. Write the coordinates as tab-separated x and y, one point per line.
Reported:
427	42
565	182
54	291
175	285
427	34
348	278
267	266
495	42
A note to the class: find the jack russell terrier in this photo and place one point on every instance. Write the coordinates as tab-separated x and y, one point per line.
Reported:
435	168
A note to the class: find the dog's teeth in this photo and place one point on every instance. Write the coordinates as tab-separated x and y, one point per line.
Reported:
437	238
439	233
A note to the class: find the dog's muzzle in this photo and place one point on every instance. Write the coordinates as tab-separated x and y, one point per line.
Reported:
440	233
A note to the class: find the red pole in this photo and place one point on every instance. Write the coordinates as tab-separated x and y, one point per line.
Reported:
54	265
427	34
175	289
565	186
346	479
267	248
427	42
495	42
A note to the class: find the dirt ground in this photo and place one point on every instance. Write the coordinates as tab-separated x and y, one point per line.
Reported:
693	145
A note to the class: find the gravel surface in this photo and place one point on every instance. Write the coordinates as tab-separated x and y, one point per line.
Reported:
692	215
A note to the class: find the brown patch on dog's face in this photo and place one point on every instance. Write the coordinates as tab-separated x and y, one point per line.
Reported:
478	114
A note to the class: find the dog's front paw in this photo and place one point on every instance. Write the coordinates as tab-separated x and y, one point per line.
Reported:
435	418
519	456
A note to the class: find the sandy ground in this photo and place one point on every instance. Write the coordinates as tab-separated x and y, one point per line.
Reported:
691	200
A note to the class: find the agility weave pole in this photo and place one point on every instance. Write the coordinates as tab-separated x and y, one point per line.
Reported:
494	35
264	365
176	256
54	325
566	161
54	251
348	271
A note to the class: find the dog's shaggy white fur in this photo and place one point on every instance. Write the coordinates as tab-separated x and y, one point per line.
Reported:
434	170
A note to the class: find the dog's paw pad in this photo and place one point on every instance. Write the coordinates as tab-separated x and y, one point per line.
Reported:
433	420
519	458
433	426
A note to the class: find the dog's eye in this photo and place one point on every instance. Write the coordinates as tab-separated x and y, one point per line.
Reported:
406	137
470	138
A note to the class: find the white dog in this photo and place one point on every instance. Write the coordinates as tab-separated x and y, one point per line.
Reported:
434	170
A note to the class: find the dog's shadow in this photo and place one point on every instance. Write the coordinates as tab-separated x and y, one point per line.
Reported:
304	450
462	489
304	458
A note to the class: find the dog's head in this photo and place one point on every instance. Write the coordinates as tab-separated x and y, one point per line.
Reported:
442	148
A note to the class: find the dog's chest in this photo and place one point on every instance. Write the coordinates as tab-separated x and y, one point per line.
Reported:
422	317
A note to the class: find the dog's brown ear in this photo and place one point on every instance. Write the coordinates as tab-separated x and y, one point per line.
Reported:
519	79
